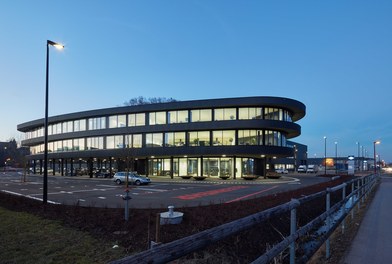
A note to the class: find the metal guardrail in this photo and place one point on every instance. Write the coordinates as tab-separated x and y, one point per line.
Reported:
360	189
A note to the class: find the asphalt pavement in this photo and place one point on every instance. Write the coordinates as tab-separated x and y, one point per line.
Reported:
373	242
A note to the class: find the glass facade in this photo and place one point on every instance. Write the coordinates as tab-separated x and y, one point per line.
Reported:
189	147
174	139
163	117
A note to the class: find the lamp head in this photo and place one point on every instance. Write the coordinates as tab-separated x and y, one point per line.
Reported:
377	142
55	44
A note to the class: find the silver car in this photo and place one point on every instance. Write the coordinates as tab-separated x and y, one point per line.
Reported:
133	178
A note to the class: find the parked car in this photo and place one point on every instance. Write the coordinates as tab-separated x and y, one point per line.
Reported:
301	168
281	170
102	173
312	169
133	178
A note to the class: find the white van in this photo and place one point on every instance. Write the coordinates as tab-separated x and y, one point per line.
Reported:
312	169
301	168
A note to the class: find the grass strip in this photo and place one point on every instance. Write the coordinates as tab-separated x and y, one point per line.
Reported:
25	238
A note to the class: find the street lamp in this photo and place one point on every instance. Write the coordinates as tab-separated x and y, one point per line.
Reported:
374	144
358	162
57	46
325	155
336	157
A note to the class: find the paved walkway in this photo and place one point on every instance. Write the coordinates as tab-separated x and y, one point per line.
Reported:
373	243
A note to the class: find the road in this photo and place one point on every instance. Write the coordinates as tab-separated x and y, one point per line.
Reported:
159	194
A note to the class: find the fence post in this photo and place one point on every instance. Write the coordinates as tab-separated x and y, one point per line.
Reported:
363	191
359	193
328	206
352	200
366	187
293	229
344	207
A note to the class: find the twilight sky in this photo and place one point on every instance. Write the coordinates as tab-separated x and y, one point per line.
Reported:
334	56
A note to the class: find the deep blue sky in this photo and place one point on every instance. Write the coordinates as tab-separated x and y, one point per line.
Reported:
334	56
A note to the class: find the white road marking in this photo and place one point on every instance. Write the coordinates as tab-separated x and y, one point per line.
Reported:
29	196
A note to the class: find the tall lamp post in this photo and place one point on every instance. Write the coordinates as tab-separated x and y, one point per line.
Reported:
375	162
336	157
57	46
358	162
325	155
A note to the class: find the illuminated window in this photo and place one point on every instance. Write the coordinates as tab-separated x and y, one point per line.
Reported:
117	121
137	119
225	114
201	115
154	140
157	118
199	138
245	113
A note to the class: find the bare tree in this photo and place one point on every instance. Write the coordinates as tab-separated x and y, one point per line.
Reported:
152	100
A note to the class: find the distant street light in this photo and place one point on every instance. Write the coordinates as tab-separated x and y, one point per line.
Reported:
375	162
336	157
358	162
57	46
325	155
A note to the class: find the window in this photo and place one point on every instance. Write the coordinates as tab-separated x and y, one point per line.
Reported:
223	138
157	118
67	127
154	140
78	144
137	119
96	123
67	145
273	138
133	141
175	139
250	113
58	146
247	137
287	116
114	142
199	138
95	143
272	113
56	129
177	117
225	114
117	121
201	115
79	125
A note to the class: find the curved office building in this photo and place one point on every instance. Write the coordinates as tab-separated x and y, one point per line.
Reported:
230	137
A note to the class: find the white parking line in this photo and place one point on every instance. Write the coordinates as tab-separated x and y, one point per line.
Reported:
29	196
153	190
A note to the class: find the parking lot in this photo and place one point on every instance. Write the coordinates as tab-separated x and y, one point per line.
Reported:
161	193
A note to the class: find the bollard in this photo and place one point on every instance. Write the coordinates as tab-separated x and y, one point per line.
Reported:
126	198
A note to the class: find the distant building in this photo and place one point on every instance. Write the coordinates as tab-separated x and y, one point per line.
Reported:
231	137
